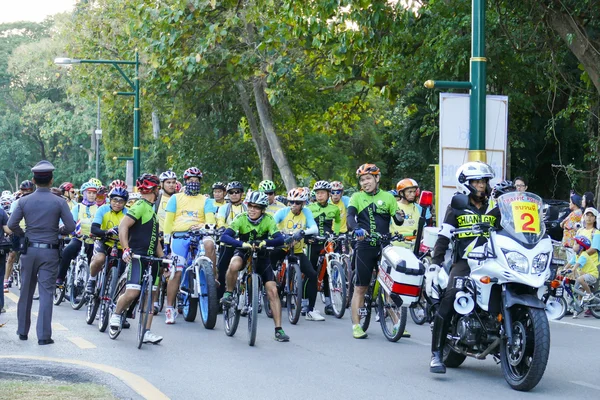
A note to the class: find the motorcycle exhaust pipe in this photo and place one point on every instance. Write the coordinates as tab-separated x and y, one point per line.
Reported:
464	303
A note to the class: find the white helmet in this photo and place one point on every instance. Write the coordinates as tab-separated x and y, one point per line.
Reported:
168	175
473	170
6	193
298	194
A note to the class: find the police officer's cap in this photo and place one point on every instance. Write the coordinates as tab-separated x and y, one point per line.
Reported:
43	169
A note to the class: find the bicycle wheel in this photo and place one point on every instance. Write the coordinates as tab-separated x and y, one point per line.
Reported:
594	306
190	304
391	317
208	303
349	282
418	311
60	292
119	290
145	308
162	292
78	281
364	313
106	306
294	292
231	314
337	288
92	309
16	274
254	286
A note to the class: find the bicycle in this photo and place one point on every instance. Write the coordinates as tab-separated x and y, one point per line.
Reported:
77	278
16	271
245	294
109	284
288	278
198	288
573	294
61	291
332	263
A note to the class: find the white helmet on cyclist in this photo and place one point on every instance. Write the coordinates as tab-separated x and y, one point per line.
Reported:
298	194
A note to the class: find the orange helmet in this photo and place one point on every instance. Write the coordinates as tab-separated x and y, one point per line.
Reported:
406	183
367	169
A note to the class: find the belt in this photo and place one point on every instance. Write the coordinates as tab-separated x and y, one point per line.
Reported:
43	245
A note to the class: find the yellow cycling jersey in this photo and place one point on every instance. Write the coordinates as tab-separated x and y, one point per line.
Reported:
161	210
411	220
185	211
84	217
290	223
590	266
343	206
274	207
227	213
107	219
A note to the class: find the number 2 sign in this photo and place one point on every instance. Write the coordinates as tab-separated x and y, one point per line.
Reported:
526	217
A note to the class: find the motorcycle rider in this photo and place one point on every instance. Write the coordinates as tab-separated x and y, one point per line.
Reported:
472	179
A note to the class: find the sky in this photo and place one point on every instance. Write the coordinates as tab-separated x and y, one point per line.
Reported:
32	10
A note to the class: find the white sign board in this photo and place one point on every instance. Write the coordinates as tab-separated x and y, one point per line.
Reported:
454	141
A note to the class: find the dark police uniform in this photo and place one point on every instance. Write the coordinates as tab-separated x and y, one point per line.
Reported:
42	212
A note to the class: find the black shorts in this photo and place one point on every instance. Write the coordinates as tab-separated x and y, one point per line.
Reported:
16	243
136	272
366	259
262	267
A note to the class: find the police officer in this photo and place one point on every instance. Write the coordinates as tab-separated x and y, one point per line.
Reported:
472	180
42	212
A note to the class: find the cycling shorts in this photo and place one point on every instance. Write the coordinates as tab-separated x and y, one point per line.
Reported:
262	267
180	248
136	273
366	259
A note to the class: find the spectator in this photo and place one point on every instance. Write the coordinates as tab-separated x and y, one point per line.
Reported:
588	200
520	184
572	223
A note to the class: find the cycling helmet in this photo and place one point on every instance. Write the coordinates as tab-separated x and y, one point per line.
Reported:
504	187
322	185
88	186
169	175
117	183
258	198
313	196
234	185
27	185
583	241
281	199
393	192
102	189
178	186
147	182
96	182
191	172
297	194
337	185
266	186
406	183
471	171
66	187
218	185
119	192
367	169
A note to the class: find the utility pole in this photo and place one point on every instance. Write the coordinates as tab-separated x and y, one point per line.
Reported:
98	134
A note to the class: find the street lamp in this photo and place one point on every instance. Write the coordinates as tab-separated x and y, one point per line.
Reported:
135	86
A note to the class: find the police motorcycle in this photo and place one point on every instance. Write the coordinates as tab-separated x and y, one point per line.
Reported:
499	311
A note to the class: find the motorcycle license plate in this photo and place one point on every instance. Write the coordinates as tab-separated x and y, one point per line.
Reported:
558	292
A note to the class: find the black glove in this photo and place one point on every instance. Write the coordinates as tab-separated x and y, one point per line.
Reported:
298	236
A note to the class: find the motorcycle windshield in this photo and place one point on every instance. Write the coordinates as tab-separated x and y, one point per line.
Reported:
521	216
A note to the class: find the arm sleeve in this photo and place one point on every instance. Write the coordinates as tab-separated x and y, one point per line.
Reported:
99	216
222	216
311	225
351	218
596	242
277	240
75	211
96	230
15	218
228	237
67	219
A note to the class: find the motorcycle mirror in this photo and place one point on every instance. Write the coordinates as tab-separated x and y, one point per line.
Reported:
460	201
426	199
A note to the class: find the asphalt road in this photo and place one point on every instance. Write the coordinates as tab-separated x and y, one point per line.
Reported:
322	360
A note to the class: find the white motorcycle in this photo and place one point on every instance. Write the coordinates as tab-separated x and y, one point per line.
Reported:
499	311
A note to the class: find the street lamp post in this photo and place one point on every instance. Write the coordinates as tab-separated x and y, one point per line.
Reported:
98	134
135	86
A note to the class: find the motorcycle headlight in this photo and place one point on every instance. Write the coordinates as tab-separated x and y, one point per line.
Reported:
517	261
539	263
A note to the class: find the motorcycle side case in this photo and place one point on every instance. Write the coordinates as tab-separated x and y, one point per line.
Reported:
401	273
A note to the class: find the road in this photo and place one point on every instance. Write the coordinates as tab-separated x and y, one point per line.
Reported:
322	360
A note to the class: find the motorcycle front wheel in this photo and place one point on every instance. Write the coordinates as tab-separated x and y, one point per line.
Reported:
524	362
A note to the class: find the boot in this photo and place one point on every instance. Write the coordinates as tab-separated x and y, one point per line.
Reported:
438	341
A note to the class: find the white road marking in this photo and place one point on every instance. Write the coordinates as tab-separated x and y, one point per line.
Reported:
574	324
82	343
588	385
12	296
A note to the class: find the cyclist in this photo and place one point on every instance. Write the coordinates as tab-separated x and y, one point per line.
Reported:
138	233
186	211
472	179
340	201
106	226
408	191
83	214
101	197
255	225
327	217
297	221
117	183
68	192
369	213
268	188
226	214
168	180
218	191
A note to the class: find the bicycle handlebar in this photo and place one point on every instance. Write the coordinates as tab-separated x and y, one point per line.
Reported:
151	259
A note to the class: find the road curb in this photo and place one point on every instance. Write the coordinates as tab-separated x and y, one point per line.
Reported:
133	381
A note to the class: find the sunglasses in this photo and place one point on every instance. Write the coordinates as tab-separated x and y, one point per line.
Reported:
269	193
336	192
235	192
298	203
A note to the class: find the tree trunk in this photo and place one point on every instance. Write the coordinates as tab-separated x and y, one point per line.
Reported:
577	41
259	139
266	120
